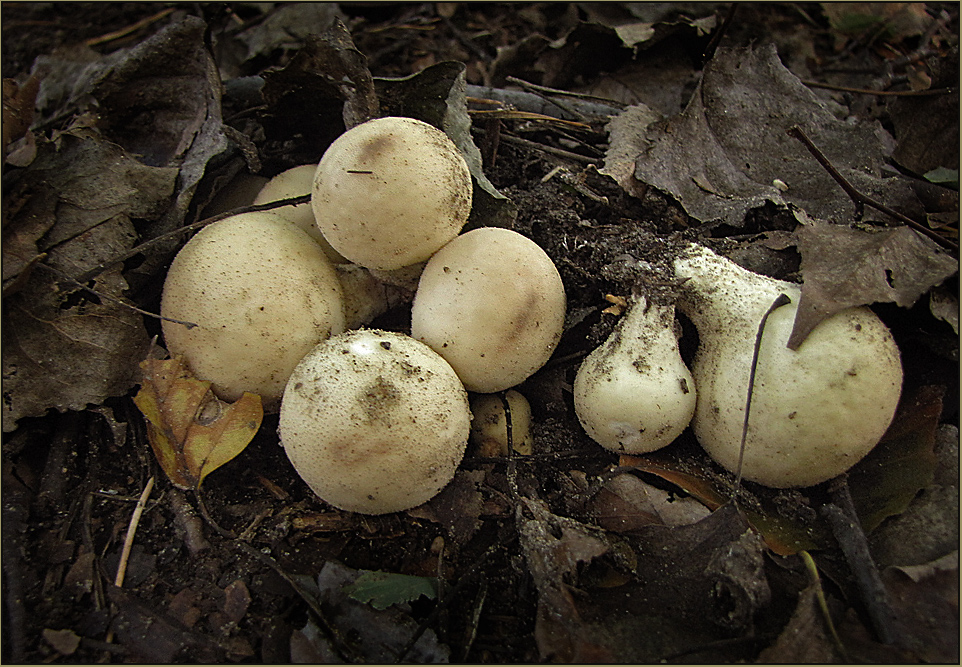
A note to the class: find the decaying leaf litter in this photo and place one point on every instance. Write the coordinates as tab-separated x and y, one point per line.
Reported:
570	554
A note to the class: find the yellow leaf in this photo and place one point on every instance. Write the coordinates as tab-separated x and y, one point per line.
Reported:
191	431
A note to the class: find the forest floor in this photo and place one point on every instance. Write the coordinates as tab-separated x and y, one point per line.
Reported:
124	122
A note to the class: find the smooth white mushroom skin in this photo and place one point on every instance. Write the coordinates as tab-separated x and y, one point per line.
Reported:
262	293
365	296
492	303
634	394
374	421
297	182
389	192
815	411
489	426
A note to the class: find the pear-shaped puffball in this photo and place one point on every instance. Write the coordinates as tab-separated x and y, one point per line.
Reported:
634	394
389	192
262	294
816	411
297	182
374	421
492	303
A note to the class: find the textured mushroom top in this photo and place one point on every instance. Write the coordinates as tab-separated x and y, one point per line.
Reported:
262	294
492	303
374	421
389	192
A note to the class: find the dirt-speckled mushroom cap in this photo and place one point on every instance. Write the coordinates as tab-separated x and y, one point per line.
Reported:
491	302
262	293
374	421
389	192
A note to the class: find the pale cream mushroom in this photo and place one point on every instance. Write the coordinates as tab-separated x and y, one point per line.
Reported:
390	192
262	294
492	303
374	421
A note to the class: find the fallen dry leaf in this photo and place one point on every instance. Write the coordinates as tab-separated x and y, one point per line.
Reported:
553	548
721	156
843	267
191	431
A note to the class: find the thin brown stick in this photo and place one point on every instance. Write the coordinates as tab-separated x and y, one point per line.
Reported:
194	226
100	295
567	93
860	200
131	532
551	150
891	93
845	525
780	300
123	32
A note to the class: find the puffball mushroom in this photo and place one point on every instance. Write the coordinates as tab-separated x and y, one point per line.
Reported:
492	303
262	294
390	192
296	182
489	425
634	394
374	421
815	411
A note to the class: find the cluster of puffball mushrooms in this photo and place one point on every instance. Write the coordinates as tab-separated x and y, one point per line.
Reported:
377	421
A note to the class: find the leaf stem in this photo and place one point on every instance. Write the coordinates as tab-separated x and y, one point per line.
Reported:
780	300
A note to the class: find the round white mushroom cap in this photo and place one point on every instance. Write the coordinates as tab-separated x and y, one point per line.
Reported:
297	182
262	294
389	192
492	303
374	421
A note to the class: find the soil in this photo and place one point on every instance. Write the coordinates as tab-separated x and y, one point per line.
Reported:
71	480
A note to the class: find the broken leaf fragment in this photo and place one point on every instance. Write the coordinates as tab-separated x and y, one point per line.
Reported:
191	431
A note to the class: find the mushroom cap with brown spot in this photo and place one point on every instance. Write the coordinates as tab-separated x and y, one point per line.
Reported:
389	192
262	294
492	303
374	421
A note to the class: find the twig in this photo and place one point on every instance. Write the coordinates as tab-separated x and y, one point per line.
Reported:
540	90
860	200
566	93
843	520
891	93
100	295
123	32
717	37
779	301
131	532
163	238
822	602
518	141
193	528
129	543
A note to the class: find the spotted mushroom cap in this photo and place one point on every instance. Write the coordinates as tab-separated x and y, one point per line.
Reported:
389	192
262	294
374	421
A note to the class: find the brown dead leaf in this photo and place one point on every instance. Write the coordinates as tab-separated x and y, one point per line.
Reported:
191	431
844	267
886	481
627	503
553	547
693	473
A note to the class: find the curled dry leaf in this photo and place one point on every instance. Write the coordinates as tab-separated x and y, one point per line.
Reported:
191	431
